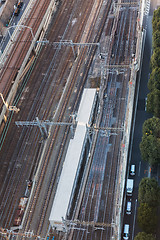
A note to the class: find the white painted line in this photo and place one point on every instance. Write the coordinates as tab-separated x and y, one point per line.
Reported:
135	208
139	169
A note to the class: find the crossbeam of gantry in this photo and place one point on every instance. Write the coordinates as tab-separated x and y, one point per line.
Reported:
127	4
87	223
70	43
107	128
117	66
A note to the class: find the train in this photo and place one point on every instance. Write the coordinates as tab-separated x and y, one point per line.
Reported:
20	211
22	205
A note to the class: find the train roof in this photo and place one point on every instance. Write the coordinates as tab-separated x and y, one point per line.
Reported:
70	166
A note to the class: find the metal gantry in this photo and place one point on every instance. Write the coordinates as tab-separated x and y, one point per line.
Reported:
124	4
20	26
105	129
8	233
127	3
69	43
118	68
95	225
42	124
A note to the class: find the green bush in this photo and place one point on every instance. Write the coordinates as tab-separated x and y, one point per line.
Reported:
153	102
156	39
150	149
154	80
150	144
149	192
155	59
156	20
147	218
152	127
144	236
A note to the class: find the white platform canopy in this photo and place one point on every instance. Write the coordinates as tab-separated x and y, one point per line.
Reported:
71	163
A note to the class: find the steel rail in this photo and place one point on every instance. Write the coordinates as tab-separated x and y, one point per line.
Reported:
10	60
12	182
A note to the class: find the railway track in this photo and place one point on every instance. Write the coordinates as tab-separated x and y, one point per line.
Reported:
22	164
52	180
99	199
29	132
25	138
21	46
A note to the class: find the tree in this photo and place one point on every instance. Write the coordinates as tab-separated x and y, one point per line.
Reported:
150	149
155	59
144	236
153	102
150	144
147	218
156	39
152	127
150	104
154	80
156	20
149	192
156	108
